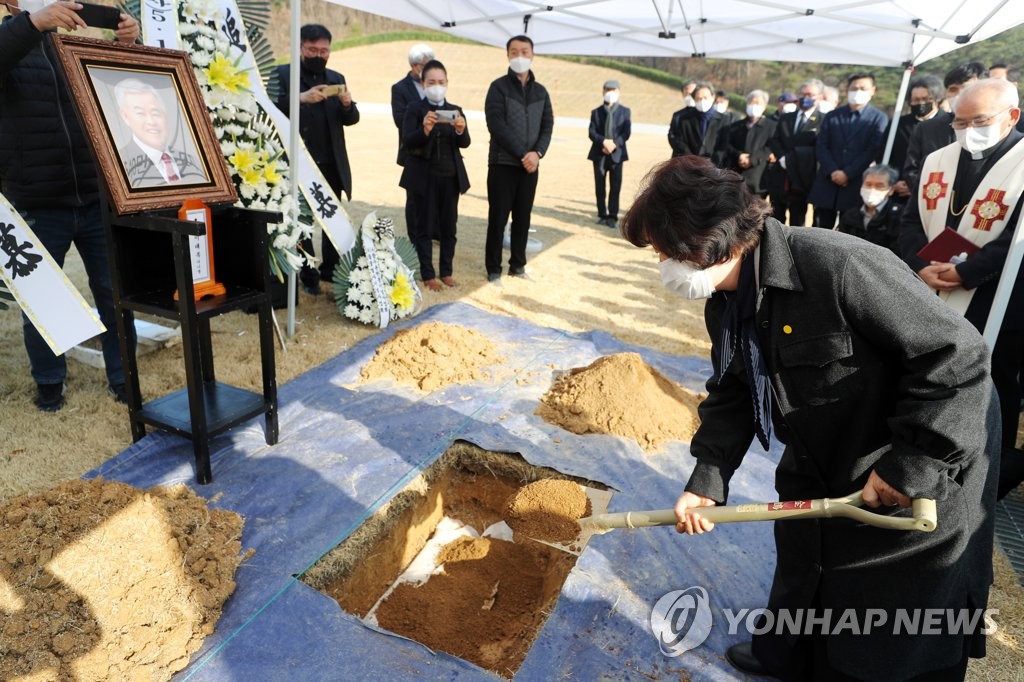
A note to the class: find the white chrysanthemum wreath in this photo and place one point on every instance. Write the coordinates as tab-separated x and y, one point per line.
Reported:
250	144
374	282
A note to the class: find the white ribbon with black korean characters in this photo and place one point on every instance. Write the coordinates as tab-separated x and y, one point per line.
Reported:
48	298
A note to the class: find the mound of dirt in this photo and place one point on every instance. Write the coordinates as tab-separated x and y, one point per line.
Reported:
433	355
103	581
621	395
547	510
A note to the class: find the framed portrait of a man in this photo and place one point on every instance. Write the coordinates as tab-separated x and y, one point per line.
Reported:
146	122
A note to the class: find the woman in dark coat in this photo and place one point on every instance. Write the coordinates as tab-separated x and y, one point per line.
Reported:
873	385
433	133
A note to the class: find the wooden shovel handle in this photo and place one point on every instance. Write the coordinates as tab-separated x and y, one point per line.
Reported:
923	519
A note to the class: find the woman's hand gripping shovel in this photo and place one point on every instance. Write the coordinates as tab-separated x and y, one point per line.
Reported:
923	516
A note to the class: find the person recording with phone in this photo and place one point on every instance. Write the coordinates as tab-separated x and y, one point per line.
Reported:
48	174
433	133
327	108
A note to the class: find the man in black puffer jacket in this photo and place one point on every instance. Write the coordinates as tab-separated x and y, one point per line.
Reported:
47	172
520	120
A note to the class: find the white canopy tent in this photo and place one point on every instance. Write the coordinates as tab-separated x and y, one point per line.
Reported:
890	33
866	32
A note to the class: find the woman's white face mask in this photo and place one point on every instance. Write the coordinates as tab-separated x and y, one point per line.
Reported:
686	279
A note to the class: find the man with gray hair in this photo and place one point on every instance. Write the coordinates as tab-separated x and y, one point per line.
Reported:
610	127
404	93
974	187
877	219
744	146
147	157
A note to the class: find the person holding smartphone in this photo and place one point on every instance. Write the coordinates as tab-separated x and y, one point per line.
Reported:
433	134
47	172
325	111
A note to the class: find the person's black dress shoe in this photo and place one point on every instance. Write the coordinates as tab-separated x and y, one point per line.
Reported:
741	656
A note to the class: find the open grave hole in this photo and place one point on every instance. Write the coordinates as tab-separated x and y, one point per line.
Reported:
492	596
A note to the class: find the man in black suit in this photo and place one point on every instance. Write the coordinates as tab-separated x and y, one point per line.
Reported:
322	121
405	93
695	130
610	126
935	133
744	146
148	158
794	145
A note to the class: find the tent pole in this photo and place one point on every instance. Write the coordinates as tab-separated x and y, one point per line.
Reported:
904	84
293	148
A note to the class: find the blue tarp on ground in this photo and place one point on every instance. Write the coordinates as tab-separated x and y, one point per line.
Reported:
346	449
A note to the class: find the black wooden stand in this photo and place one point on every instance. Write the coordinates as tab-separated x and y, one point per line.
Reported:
150	259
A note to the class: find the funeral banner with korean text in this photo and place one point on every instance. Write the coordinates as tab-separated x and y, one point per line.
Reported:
326	207
48	298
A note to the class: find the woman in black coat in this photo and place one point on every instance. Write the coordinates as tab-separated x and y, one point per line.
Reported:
873	384
433	133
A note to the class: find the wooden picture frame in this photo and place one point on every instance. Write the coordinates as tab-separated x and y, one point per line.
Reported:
147	123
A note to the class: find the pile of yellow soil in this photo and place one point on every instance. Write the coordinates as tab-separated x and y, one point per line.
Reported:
622	395
547	510
102	581
433	355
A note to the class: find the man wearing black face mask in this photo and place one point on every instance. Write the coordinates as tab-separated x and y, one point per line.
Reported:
923	96
322	120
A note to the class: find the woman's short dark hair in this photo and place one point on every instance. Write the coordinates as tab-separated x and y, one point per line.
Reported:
691	210
430	66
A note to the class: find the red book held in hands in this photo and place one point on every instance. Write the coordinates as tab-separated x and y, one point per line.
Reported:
947	245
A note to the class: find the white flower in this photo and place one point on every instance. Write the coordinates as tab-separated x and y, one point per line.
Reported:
351	311
368	316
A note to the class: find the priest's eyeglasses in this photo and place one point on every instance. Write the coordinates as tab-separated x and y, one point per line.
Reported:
979	122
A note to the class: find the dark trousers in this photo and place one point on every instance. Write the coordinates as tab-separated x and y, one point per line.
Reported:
57	229
796	201
1006	367
602	168
439	210
510	189
779	207
328	254
825	217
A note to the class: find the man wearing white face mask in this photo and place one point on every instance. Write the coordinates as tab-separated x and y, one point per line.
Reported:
695	130
520	120
829	99
744	146
610	126
847	143
974	186
877	219
46	171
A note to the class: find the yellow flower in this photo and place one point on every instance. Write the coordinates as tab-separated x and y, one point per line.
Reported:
250	176
243	160
401	292
223	74
270	173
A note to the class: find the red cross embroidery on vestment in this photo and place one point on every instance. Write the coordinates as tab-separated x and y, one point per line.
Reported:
990	209
933	190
